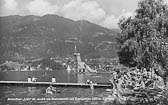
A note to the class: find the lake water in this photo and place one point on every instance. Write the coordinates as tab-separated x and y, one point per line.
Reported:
60	75
17	95
22	95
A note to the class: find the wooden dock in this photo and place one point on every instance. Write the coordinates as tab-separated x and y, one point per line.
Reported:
25	83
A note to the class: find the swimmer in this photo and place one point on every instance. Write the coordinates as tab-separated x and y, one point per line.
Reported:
50	90
88	81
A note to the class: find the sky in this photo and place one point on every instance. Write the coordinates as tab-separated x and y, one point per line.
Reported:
106	13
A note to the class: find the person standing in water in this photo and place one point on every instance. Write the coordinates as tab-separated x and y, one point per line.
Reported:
53	79
29	79
34	79
91	85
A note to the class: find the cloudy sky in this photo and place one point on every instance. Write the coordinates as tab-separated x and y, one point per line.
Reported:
103	12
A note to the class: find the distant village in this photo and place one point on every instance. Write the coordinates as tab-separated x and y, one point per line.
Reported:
59	63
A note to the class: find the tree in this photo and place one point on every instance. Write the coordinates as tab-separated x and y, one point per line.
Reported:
143	41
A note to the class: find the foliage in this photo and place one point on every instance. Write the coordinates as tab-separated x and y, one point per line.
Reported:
46	62
138	87
143	41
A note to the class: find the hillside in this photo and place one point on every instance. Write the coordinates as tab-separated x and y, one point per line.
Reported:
32	37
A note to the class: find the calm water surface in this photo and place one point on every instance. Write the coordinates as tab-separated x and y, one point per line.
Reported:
13	92
37	95
60	75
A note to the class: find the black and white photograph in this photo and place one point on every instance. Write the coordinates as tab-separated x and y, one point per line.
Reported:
83	52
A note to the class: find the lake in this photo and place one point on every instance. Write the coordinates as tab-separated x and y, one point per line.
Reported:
19	95
22	95
60	75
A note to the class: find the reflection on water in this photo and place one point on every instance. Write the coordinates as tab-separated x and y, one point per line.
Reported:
61	76
81	78
42	76
7	92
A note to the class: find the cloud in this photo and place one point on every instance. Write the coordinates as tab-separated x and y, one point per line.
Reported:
41	7
92	11
112	22
80	9
166	1
9	8
10	4
74	9
126	15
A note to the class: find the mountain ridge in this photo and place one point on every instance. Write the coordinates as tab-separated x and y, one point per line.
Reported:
30	37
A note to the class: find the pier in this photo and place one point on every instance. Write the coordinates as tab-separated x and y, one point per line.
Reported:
25	83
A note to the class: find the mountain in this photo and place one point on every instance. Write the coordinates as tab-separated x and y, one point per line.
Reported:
32	37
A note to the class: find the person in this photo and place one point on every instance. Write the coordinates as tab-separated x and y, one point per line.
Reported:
91	85
87	81
29	79
50	90
34	79
53	79
145	72
111	84
160	82
142	84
